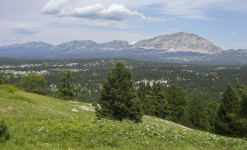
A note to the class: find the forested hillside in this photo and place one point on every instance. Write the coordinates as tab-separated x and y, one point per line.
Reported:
208	82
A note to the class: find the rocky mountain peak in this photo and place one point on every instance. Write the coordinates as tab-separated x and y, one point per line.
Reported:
179	42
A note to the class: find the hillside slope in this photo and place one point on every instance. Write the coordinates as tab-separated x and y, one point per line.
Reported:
41	122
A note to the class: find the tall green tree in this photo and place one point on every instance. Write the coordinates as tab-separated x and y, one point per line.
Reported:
228	121
33	83
118	99
66	88
195	115
243	102
162	109
142	91
149	105
243	95
212	110
176	97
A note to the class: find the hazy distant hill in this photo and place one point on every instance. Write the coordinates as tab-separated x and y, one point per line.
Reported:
179	47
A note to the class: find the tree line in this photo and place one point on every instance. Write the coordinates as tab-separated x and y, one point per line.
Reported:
120	100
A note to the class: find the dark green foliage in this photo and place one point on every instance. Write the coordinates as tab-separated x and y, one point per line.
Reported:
195	115
160	101
33	83
243	94
117	98
3	80
4	134
228	120
155	102
149	105
176	97
67	89
143	90
212	110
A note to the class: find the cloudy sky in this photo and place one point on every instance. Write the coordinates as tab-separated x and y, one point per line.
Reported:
223	22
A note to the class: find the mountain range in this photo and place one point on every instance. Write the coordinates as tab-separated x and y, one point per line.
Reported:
179	48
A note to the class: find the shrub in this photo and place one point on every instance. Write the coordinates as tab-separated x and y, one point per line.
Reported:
4	134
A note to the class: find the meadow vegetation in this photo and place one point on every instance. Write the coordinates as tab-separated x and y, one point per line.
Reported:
41	122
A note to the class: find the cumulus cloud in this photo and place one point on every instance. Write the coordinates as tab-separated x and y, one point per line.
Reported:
25	29
54	6
114	12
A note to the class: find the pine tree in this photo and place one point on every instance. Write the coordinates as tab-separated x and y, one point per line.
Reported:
117	98
228	121
149	105
212	110
243	94
67	89
176	97
161	103
195	115
243	113
142	91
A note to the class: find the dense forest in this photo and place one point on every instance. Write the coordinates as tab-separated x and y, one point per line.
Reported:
208	82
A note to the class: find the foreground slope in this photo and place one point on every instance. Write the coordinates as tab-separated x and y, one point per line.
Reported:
41	122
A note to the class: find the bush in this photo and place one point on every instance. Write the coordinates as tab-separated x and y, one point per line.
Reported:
3	80
4	134
33	83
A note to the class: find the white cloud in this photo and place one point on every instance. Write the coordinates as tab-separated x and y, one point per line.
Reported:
25	29
114	12
194	9
54	6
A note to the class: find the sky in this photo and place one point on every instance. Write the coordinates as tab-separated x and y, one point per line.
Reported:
222	22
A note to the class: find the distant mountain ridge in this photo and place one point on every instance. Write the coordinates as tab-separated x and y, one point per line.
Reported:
179	47
179	42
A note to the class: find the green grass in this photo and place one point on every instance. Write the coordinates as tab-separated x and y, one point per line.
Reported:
41	122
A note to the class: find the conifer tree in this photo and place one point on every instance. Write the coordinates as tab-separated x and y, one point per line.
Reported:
117	98
142	91
161	103
195	115
149	105
67	89
228	121
243	94
176	97
212	110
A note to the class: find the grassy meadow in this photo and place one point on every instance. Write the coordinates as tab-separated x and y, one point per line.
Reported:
41	122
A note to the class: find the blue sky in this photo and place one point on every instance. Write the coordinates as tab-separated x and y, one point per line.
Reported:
223	22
